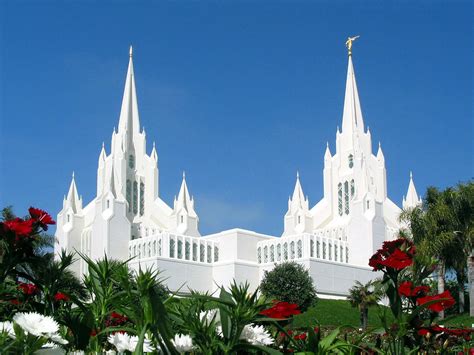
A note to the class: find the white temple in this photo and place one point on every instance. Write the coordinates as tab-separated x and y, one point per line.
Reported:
333	240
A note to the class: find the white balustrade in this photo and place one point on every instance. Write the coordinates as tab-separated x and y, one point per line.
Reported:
174	246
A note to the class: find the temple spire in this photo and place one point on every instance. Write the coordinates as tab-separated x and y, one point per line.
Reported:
184	199
129	122
73	200
298	200
411	200
352	119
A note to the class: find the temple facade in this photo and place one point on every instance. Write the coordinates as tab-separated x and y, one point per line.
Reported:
333	239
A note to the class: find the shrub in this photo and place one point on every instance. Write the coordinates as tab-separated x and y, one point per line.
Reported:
289	282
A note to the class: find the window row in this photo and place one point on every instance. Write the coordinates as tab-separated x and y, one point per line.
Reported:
328	251
280	252
132	197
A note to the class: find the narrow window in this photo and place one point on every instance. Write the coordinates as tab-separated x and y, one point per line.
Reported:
279	252
108	203
142	198
216	253
182	219
180	249
259	255
347	255
292	250
339	198
131	161
172	244
368	204
346	197
285	251
129	195
299	219
272	253
318	246
299	250
330	250
324	250
69	216
350	160
195	251
135	197
311	248
265	254
187	250
352	188
209	254
202	251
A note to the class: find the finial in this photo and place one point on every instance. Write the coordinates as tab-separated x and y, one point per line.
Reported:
297	174
73	174
379	144
184	175
411	175
349	44
131	51
153	144
327	144
103	145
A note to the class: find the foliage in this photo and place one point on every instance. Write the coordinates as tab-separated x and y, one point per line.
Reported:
363	296
289	282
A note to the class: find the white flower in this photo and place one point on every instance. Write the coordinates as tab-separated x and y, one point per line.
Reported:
58	339
7	327
123	342
256	335
183	343
208	316
36	324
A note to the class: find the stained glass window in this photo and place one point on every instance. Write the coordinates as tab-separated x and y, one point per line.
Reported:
285	251
135	197
209	254
172	246
195	251
339	198
346	197
279	252
142	198
299	249
259	255
265	254
272	253
292	250
187	250
180	249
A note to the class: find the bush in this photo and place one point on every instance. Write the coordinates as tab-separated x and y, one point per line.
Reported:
289	282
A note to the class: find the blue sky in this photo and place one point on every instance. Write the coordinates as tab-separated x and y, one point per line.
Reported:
240	94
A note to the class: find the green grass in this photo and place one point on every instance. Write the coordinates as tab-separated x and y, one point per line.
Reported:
330	313
333	313
458	320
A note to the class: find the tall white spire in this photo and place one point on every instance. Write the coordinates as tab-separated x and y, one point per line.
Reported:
412	199
73	200
129	123
184	200
352	119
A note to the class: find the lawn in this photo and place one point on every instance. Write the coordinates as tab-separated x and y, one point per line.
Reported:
335	313
330	313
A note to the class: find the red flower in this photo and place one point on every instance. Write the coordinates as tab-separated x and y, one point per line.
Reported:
442	301
27	288
396	254
19	226
281	310
423	332
406	289
93	333
61	297
42	217
301	336
398	260
15	301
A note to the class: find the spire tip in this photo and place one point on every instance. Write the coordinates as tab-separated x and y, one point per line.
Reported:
131	51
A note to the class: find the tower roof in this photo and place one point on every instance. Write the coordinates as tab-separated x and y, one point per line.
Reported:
412	199
73	200
129	122
298	200
184	200
352	119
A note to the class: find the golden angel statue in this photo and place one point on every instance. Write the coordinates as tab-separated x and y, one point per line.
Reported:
349	43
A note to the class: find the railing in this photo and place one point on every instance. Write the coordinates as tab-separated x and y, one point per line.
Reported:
326	244
167	245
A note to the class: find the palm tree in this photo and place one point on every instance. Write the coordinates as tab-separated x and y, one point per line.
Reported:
363	296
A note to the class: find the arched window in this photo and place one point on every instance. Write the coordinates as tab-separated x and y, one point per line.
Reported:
195	251
272	253
202	251
154	247
347	255
340	255
142	198
180	249
129	195
278	252
216	253
159	247
324	250
187	250
339	198
299	219
292	250
318	247
259	255
368	204
135	197
335	252
285	251
311	246
131	161
299	249
330	251
209	254
346	197
172	245
182	219
350	160
265	254
352	188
